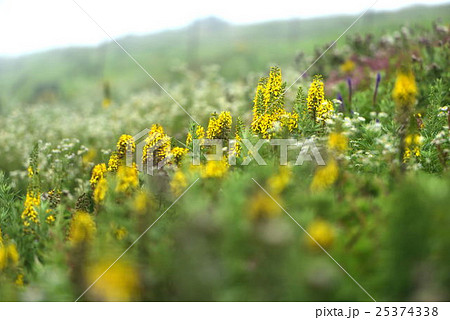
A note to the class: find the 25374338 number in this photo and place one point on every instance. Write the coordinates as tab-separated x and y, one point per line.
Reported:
412	311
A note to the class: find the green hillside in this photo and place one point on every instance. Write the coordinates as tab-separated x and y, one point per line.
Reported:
70	74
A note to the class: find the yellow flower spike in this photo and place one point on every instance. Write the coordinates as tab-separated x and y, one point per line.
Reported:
178	183
268	105
405	90
82	228
100	190
292	122
219	126
317	106
29	214
9	257
157	142
316	94
178	154
237	148
142	202
125	143
127	179
30	172
273	89
13	255
199	131
322	232
98	173
325	177
120	283
113	162
214	169
338	142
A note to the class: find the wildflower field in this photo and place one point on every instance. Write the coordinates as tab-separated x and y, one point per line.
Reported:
80	221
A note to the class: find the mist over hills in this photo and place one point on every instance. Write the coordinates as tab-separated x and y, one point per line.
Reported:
60	75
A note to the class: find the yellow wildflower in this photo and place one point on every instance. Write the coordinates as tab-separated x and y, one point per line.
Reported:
262	206
120	233
106	102
98	173
178	183
120	283
100	190
219	126
178	154
50	218
114	162
89	157
316	95
319	108
199	132
292	121
338	142
278	182
29	214
412	146
19	280
325	176
405	90
348	66
127	179
237	148
268	105
157	143
274	89
142	202
215	169
125	143
9	257
82	228
322	232
13	255
30	172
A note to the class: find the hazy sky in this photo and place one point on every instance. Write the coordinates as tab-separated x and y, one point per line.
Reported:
31	25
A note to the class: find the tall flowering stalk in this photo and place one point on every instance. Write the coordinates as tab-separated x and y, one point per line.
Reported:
404	95
125	145
33	198
195	132
219	126
350	91
268	106
157	143
375	93
318	107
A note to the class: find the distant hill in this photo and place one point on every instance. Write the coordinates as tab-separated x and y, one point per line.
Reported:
66	74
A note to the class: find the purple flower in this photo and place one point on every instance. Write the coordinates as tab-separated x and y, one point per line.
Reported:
377	84
350	91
